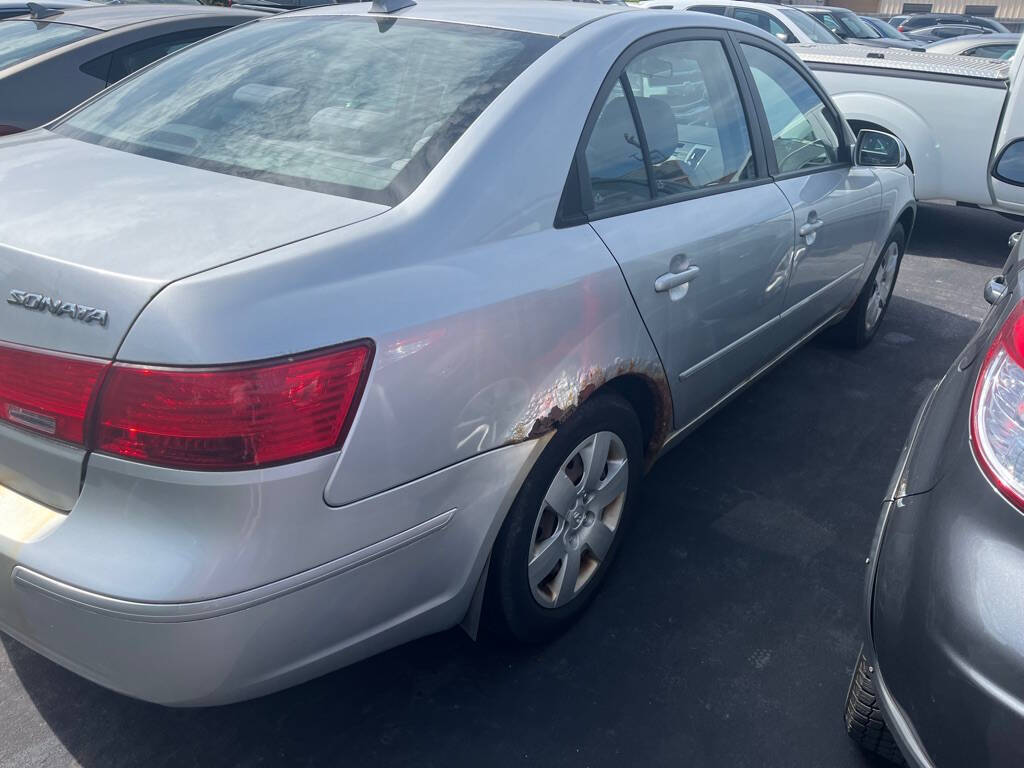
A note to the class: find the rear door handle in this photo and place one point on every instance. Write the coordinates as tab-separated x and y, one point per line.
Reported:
671	280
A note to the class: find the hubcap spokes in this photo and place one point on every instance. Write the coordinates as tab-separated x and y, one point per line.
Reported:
578	519
884	279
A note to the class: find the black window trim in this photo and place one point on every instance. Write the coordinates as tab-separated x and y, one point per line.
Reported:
572	208
838	124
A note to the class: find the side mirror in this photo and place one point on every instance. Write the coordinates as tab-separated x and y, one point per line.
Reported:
879	150
1009	165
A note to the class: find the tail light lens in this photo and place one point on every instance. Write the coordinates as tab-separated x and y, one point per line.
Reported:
238	417
48	393
997	411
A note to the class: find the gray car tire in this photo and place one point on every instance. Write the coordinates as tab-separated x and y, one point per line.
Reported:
864	722
854	330
511	610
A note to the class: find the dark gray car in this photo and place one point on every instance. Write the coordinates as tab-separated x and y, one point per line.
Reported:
941	674
57	59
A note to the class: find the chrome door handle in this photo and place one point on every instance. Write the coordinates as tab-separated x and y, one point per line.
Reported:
811	227
671	280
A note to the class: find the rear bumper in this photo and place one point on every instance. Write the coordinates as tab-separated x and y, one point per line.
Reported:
166	622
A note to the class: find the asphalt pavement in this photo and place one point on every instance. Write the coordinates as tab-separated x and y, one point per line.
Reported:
725	635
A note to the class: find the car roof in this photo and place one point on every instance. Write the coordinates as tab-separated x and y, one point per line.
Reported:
108	17
544	17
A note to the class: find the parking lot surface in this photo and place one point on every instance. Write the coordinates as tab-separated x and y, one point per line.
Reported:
724	636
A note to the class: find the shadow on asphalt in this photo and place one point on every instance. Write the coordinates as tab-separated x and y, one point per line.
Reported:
725	636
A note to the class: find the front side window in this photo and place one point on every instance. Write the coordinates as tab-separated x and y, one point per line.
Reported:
804	136
694	128
21	40
340	104
763	21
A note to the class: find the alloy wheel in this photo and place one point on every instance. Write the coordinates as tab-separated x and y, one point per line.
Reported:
578	519
885	276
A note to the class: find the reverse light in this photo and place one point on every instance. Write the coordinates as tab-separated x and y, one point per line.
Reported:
48	393
241	417
997	410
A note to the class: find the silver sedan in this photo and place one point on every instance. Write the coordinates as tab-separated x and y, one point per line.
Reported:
358	323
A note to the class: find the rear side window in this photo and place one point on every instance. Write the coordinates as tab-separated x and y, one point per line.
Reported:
344	104
21	40
716	9
803	134
694	129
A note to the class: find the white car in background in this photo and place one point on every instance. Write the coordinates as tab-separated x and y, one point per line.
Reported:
790	25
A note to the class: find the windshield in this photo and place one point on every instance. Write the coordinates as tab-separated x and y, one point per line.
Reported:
340	104
811	28
20	40
847	24
885	30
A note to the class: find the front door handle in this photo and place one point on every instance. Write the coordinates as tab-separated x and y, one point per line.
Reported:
671	280
811	227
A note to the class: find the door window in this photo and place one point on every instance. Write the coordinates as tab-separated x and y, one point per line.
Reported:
763	21
804	132
694	128
718	10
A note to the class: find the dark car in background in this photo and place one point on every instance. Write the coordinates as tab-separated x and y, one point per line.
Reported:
57	59
848	25
921	20
9	8
940	677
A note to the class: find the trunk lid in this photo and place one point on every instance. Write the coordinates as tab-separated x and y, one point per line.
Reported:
80	259
88	235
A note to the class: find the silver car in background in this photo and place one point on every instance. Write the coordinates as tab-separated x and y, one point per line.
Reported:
354	324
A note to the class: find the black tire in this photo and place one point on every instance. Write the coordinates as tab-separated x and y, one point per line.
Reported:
864	722
511	612
853	330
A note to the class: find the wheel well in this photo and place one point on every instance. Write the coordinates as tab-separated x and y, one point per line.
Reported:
652	403
859	125
906	220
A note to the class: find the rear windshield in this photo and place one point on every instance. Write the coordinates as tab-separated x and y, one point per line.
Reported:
20	39
347	105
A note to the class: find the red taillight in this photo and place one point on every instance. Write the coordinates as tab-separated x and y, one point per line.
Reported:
48	393
900	28
231	418
997	410
237	417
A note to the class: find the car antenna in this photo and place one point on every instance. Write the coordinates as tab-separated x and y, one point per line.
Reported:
38	11
390	6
